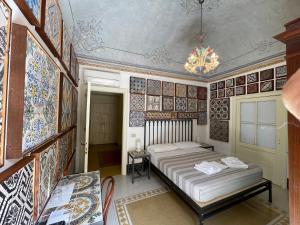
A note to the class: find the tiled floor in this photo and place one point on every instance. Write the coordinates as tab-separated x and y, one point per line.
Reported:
125	188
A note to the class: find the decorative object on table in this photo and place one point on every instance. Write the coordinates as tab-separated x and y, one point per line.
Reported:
252	88
168	88
146	158
153	103
137	85
66	47
220	109
202	93
267	86
281	71
280	83
66	103
153	87
180	104
136	119
219	130
252	78
192	91
213	94
167	103
229	92
230	83
192	105
241	80
221	84
202	105
241	90
202	118
138	145
267	74
181	90
32	10
213	86
137	102
221	93
5	22
160	115
202	60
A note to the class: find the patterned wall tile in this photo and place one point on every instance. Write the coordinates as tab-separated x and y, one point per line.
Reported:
280	83
213	94
160	115
153	87
202	118
180	104
137	102
187	115
202	105
137	85
192	91
202	93
153	103
213	86
167	103
136	119
219	130
63	154
230	83
241	90
73	63
192	105
220	109
230	92
168	88
221	93
221	84
35	8
252	78
267	86
16	197
66	54
252	88
267	74
66	112
281	71
240	80
181	90
40	96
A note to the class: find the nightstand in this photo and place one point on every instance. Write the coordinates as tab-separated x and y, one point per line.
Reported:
207	146
145	156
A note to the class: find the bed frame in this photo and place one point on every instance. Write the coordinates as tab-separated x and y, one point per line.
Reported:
170	131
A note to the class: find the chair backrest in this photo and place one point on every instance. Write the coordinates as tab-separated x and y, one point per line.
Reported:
110	188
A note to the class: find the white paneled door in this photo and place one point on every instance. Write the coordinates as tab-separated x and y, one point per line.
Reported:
261	135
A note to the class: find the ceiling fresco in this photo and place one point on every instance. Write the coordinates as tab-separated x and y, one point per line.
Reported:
160	34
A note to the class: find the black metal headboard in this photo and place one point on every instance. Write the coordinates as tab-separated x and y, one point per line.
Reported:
167	131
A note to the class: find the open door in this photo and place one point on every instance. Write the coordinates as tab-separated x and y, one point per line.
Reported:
87	127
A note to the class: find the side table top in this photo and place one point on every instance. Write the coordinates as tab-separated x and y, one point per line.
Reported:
136	154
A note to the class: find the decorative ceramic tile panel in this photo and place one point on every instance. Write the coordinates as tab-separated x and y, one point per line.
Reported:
35	7
192	105
181	90
213	94
202	118
167	103
137	85
180	104
202	93
267	74
213	86
40	96
221	93
241	90
63	153
230	92
160	115
136	119
16	197
252	88
280	83
252	78
66	54
168	88
74	106
240	80
153	87
192	91
230	83
202	105
267	86
219	130
153	103
66	111
53	23
220	109
187	115
137	102
281	71
221	84
73	61
48	175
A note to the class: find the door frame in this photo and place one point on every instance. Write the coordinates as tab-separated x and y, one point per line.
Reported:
125	93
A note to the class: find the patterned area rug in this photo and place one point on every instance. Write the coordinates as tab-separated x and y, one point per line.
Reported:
163	207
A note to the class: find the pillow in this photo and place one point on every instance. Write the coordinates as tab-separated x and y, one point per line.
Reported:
188	144
162	147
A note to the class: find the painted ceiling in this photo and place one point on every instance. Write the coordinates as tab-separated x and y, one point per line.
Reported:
160	34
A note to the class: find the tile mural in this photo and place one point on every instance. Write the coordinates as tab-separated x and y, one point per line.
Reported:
66	111
220	109
219	130
66	45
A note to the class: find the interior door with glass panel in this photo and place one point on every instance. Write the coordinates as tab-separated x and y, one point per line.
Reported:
261	135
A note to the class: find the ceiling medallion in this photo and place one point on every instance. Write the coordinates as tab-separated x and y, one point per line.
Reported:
202	60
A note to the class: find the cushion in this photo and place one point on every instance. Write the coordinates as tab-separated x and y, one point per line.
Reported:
162	147
188	144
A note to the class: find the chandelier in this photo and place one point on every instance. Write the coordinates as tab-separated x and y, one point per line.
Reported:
202	60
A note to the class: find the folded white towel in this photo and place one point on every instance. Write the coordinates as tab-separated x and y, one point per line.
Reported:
210	168
234	162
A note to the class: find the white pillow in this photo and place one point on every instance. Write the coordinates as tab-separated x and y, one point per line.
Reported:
188	144
162	147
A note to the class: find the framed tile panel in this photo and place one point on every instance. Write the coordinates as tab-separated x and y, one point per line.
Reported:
167	103
241	80
202	93
221	84
202	118
66	48
266	74
241	90
136	119
168	88
220	109
213	86
181	90
267	86
202	105
32	10
192	91
137	102
252	88
229	92
153	103
137	85
221	93
280	83
252	78
153	87
230	83
219	130
181	104
192	105
281	71
66	103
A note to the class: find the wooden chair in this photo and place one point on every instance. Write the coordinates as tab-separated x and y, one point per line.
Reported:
110	188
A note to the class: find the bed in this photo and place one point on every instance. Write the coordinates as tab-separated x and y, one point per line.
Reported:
205	194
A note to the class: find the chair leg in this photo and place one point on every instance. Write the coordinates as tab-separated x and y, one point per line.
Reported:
270	193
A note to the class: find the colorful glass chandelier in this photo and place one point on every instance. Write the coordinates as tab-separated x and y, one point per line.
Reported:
202	60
